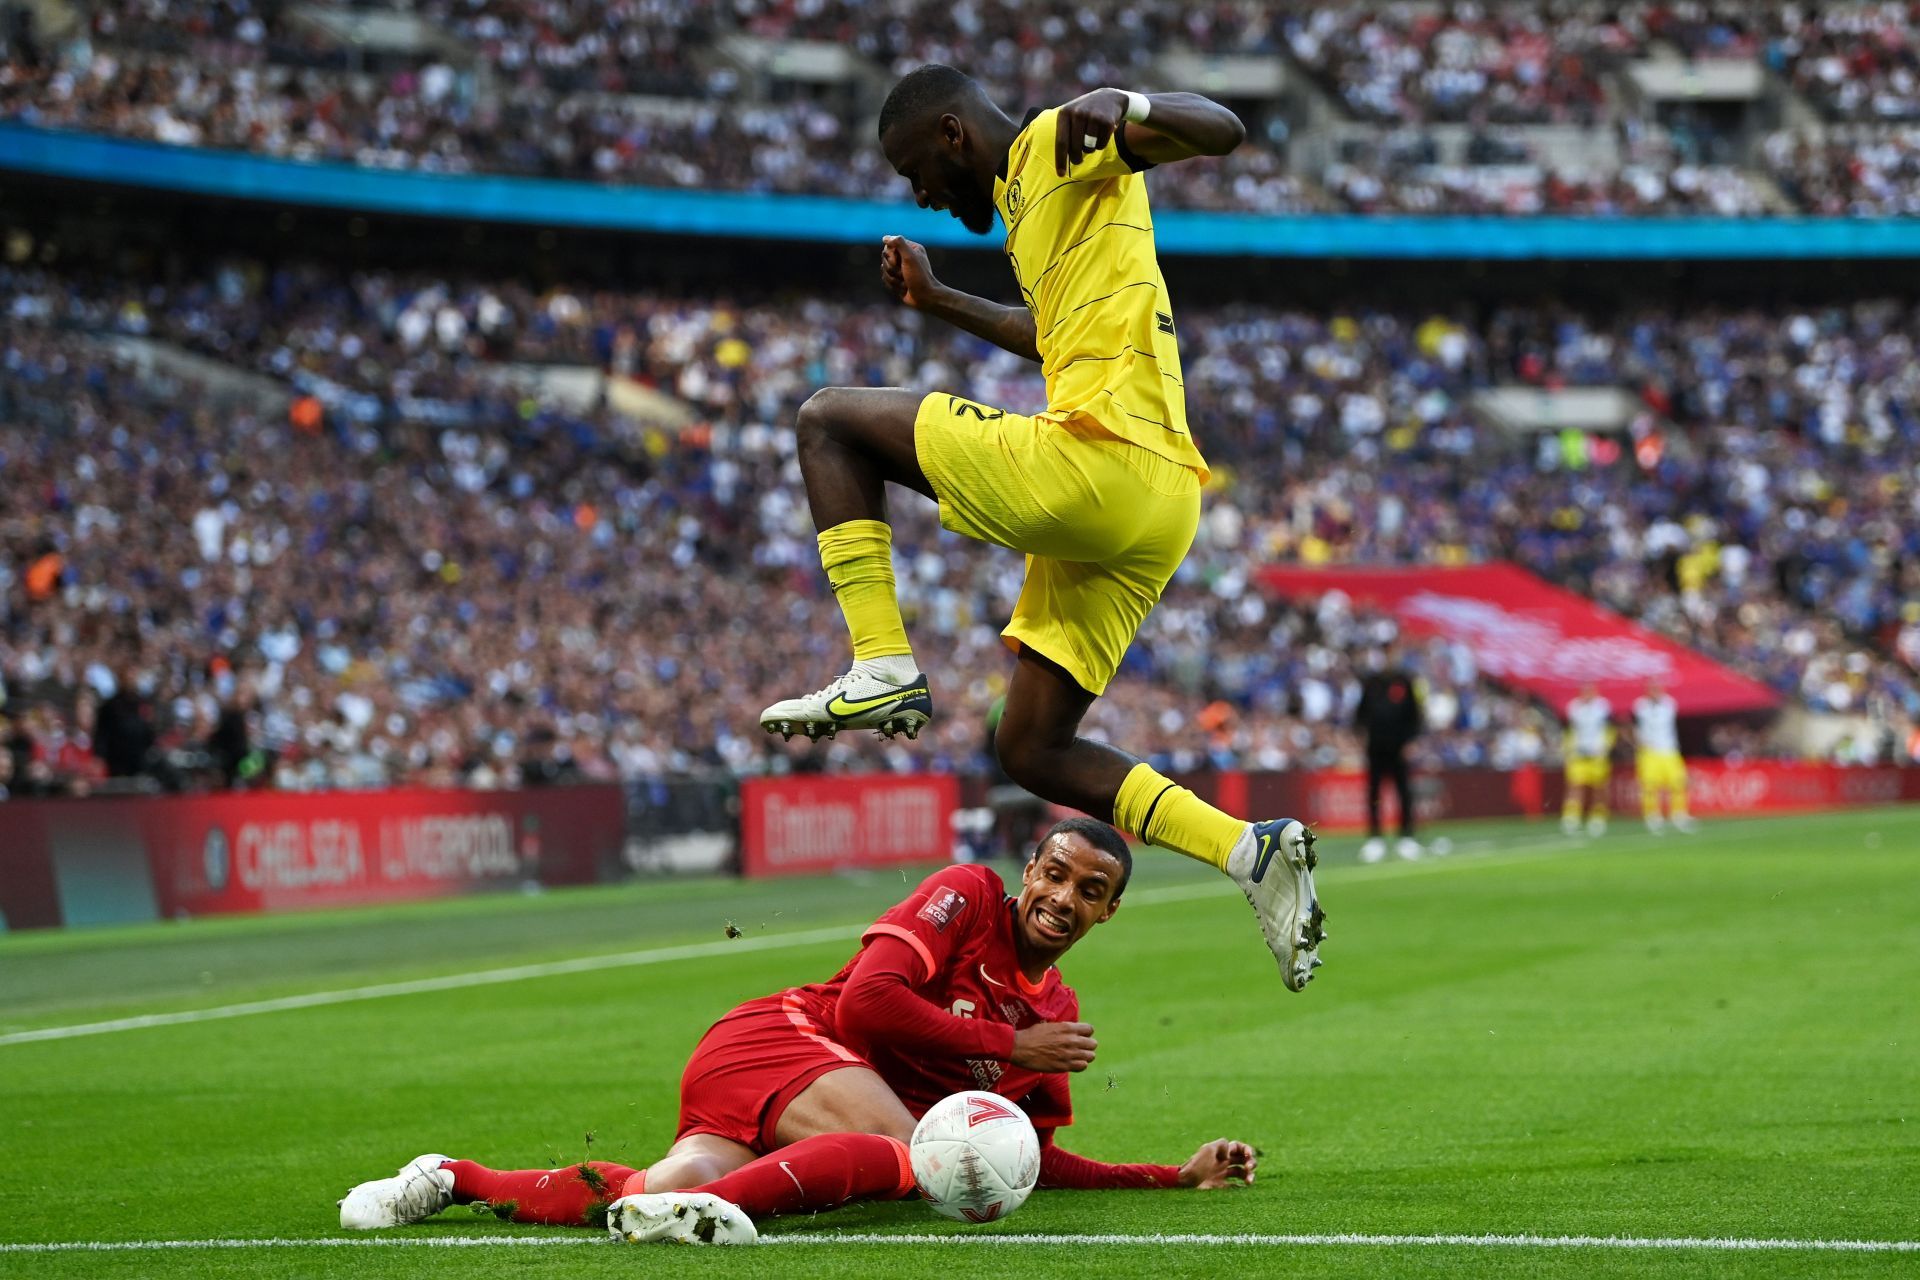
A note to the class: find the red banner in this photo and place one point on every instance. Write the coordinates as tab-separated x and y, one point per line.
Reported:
794	825
279	851
1716	787
1336	799
1538	637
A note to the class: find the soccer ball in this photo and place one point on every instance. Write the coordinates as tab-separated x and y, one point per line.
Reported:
975	1156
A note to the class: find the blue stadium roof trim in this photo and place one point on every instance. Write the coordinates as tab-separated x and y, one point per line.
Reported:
552	203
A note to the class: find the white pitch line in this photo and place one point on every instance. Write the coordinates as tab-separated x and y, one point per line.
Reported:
448	982
517	973
1261	1240
1722	1244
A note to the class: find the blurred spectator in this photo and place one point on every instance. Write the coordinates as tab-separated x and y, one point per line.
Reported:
123	728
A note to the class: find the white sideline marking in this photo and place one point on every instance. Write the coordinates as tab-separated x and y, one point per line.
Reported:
1724	1244
448	982
517	973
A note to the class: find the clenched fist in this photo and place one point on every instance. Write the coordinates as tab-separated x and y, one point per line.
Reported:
904	271
1054	1046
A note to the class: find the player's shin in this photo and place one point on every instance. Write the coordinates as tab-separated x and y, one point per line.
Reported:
1164	813
574	1196
822	1172
858	558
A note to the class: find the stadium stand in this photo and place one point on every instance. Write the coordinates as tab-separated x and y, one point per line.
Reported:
1546	106
322	458
410	536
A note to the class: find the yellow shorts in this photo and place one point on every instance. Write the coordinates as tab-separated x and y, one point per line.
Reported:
1660	770
1588	771
1104	523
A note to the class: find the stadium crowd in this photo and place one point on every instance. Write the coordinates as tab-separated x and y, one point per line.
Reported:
1662	184
428	572
541	87
1504	64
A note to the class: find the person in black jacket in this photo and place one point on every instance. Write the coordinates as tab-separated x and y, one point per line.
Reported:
1389	717
123	728
230	744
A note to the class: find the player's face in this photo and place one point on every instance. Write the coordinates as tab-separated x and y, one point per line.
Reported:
933	160
1069	887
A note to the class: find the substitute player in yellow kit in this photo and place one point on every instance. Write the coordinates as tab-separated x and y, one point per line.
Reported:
1589	755
1101	490
1661	769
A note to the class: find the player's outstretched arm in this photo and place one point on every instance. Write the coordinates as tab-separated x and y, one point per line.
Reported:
908	277
1176	126
1216	1164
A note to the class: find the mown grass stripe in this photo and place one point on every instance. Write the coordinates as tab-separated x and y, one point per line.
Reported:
516	973
1468	856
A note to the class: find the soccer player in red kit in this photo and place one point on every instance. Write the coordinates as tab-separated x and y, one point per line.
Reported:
804	1100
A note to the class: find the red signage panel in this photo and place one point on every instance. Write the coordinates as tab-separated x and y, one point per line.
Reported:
281	851
1718	787
795	825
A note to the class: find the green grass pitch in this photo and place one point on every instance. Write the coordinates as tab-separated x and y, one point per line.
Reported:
1713	1036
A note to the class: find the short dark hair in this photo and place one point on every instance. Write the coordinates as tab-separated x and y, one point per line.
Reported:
933	87
1100	836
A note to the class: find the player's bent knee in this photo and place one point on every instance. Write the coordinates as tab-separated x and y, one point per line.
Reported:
677	1173
899	1128
1027	761
1016	757
820	414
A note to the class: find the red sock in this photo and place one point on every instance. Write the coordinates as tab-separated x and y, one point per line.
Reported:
822	1172
575	1196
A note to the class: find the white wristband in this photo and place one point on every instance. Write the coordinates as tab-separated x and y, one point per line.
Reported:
1137	106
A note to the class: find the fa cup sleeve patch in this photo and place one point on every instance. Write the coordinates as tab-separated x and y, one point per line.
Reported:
941	908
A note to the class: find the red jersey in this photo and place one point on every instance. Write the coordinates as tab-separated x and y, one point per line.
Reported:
959	923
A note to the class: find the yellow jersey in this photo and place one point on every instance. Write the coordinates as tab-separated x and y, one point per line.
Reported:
1082	250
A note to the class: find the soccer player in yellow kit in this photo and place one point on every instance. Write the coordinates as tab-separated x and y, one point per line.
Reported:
1657	760
1101	490
1589	752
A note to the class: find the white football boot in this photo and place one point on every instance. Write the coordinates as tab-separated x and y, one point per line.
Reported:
856	700
1409	849
1374	850
420	1190
1656	824
1273	865
1684	824
1596	827
679	1217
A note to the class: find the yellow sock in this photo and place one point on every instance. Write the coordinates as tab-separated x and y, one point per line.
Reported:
1570	811
858	558
1161	811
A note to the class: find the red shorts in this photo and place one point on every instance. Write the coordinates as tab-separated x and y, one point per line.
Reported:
751	1065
